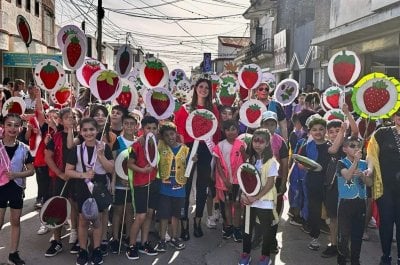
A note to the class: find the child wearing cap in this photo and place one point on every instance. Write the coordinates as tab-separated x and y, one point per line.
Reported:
354	174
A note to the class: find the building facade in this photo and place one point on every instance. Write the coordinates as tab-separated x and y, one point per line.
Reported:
228	48
14	59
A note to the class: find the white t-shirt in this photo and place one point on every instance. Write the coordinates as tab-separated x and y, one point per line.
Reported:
272	172
226	149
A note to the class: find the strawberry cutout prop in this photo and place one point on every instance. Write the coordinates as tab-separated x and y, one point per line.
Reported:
65	32
160	103
124	62
175	77
74	52
250	183
286	91
49	75
154	73
14	105
24	30
344	68
200	125
150	149
61	96
269	78
215	84
246	138
105	85
345	97
55	212
376	96
366	127
250	113
334	114
121	167
249	76
331	97
88	68
128	98
35	138
226	94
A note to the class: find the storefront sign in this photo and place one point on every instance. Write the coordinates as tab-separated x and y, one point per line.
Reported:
280	54
22	59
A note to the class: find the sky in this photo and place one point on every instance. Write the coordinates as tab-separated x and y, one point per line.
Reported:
178	31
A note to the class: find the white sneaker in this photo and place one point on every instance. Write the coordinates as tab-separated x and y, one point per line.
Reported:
73	236
167	237
42	230
211	222
217	215
314	244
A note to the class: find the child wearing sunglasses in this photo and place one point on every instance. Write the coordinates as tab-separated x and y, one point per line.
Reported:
263	205
354	174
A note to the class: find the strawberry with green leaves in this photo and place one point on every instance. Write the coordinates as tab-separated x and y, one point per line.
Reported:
74	51
202	123
249	180
343	68
227	93
376	96
49	75
62	95
107	84
332	96
160	102
249	77
124	99
124	61
154	72
253	112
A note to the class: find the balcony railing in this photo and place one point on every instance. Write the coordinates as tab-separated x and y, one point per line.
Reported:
266	46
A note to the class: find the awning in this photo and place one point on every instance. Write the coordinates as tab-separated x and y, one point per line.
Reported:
22	60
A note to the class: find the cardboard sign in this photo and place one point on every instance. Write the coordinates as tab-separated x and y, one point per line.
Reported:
49	75
344	67
250	113
249	76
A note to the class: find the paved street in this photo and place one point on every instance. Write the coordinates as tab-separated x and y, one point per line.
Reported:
211	249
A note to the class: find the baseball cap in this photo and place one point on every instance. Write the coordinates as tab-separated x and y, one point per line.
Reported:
269	115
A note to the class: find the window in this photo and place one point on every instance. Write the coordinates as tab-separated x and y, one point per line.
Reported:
19	3
37	8
28	6
48	29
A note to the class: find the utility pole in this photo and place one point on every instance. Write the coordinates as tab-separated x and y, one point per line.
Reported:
100	16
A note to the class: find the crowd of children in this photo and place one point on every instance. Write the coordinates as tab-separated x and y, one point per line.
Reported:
78	151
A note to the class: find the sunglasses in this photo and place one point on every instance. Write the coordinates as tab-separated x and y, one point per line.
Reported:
262	89
259	140
354	146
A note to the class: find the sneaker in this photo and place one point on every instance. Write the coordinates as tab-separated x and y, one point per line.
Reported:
228	232
54	249
365	236
216	215
296	220
324	228
211	222
237	234
385	260
372	223
306	228
114	246
97	256
104	248
177	244
330	252
75	248
244	259
83	257
161	246
42	230
147	249
73	236
167	237
132	253
264	260
13	258
314	244
38	204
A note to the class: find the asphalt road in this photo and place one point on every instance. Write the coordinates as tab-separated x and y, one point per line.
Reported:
210	249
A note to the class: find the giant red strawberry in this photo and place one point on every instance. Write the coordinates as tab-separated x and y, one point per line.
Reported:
202	123
151	149
89	68
74	51
160	102
62	95
154	72
253	112
343	68
332	97
56	212
107	84
24	30
249	77
249	179
124	99
49	75
124	61
376	96
243	93
14	107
